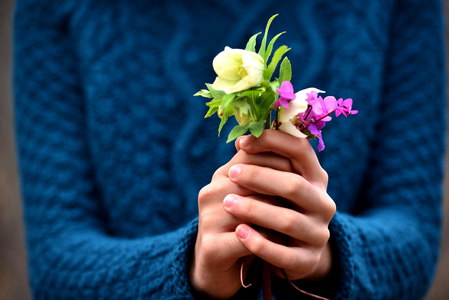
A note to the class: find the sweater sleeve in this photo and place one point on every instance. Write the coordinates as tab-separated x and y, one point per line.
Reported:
388	250
71	254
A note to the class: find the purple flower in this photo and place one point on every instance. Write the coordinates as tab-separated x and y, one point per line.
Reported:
315	112
311	97
286	94
318	113
315	131
289	118
345	107
331	104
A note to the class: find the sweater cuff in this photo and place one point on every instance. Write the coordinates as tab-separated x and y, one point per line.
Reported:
340	229
182	253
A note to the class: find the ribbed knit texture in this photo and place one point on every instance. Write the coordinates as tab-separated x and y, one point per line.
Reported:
113	146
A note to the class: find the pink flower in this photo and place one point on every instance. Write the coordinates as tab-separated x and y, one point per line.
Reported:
345	108
286	94
309	112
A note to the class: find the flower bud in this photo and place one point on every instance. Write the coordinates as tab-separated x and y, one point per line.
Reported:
221	111
242	112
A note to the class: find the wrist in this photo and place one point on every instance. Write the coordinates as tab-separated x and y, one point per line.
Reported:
204	284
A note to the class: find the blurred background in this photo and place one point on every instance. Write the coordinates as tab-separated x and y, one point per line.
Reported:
13	272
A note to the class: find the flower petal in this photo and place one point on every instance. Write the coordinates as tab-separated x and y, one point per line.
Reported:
295	107
224	85
225	66
243	68
302	94
289	128
331	103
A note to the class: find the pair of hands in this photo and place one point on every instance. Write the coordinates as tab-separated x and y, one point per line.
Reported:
269	201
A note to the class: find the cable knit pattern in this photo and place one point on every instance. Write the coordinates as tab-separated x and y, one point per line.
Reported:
113	146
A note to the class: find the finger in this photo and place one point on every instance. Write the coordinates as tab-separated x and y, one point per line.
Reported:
300	259
298	150
284	220
224	248
218	189
237	142
269	160
211	214
292	187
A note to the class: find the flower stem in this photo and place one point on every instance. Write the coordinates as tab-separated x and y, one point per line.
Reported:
324	116
303	126
268	121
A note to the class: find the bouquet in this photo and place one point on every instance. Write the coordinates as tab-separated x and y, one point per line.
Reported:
245	88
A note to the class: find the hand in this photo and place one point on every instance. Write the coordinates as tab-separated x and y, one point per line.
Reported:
215	267
306	253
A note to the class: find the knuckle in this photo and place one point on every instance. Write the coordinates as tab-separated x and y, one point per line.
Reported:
324	237
290	223
327	236
207	219
309	264
294	184
320	236
220	171
248	207
330	208
205	194
208	246
325	176
249	173
312	262
257	245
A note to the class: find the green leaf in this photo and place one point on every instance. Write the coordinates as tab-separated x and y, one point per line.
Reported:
253	99
222	122
265	102
229	111
251	45
256	128
227	99
211	111
215	93
236	132
285	72
274	85
264	40
274	61
270	46
204	93
214	103
213	107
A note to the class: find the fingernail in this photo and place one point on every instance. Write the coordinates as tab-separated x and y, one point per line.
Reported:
234	171
229	201
244	141
242	232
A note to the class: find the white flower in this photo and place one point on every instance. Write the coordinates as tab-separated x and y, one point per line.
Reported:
237	70
288	116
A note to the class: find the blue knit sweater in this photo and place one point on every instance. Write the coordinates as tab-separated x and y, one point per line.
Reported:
113	147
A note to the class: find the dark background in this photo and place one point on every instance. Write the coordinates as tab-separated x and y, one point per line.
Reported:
13	273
